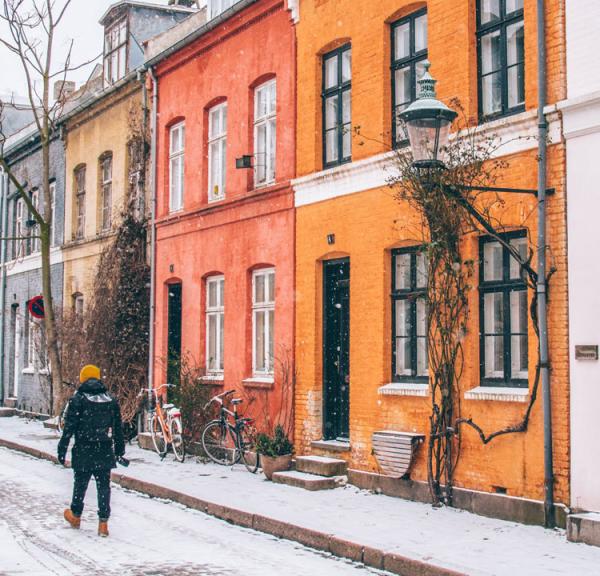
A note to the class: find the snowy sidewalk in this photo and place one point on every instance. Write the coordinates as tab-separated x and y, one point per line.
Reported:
401	536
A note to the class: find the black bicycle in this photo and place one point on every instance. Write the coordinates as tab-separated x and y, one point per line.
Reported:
230	438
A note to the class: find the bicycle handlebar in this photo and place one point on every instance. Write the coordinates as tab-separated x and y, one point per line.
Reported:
155	390
219	398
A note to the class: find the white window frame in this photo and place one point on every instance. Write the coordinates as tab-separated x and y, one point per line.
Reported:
217	311
106	194
267	306
266	119
217	140
176	167
115	52
35	245
53	212
216	7
30	328
78	304
19	214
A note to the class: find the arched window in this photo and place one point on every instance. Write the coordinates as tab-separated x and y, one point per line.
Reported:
409	52
176	166
263	321
105	196
79	202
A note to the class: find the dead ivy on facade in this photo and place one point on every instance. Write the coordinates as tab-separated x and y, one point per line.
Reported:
449	208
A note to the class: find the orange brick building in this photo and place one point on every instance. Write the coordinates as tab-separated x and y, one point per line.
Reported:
361	367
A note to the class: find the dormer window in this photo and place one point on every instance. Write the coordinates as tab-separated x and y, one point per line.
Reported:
115	51
215	7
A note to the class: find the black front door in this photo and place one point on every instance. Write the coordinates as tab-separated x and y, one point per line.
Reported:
336	356
174	336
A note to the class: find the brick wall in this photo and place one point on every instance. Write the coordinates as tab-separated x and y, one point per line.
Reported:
367	225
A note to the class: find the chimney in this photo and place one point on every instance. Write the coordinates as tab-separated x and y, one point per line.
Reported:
63	89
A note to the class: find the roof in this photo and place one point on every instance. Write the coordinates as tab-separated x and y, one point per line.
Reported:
150	5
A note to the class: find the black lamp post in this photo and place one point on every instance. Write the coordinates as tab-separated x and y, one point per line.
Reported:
428	124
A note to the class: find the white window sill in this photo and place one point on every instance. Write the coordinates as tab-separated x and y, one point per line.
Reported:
259	382
498	394
404	389
217	199
212	378
28	370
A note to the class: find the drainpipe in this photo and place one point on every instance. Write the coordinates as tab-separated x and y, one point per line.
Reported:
3	226
541	282
153	124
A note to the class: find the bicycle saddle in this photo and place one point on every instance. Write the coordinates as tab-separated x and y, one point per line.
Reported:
236	401
168	406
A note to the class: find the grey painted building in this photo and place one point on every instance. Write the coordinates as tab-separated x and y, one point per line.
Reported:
24	370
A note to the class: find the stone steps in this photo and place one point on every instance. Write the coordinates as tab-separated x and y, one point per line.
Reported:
584	527
6	412
321	466
308	481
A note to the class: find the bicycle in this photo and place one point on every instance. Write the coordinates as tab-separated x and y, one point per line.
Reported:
164	421
226	442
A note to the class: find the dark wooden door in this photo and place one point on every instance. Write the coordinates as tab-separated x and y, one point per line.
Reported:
336	349
174	334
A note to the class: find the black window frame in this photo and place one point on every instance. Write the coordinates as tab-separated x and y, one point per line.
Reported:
326	93
483	30
413	293
409	61
506	286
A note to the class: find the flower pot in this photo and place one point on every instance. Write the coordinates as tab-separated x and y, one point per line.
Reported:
271	464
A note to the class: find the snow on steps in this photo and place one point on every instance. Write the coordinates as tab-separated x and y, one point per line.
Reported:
321	465
308	481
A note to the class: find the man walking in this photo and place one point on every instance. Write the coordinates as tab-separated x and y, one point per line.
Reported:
94	419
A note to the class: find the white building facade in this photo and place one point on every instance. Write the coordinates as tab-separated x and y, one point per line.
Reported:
581	116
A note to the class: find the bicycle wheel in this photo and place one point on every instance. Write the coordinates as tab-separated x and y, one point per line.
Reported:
219	444
247	448
177	439
158	437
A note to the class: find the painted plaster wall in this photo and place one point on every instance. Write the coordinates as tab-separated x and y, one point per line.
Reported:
582	131
24	280
252	227
367	225
101	128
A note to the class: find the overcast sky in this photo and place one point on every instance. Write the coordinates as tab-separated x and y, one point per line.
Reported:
81	25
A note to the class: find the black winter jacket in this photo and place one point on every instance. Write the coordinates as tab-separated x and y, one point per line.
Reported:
94	419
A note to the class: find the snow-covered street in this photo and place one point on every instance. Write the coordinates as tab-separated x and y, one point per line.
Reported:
147	537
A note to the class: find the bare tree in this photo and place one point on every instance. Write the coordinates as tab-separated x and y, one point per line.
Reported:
28	33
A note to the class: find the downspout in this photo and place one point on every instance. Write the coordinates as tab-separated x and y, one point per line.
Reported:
4	226
542	302
153	124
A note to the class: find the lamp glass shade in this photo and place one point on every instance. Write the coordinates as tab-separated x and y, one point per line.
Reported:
428	140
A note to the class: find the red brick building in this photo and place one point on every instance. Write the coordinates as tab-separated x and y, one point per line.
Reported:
225	234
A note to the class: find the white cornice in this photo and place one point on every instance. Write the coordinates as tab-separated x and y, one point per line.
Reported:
581	115
32	262
513	134
294	7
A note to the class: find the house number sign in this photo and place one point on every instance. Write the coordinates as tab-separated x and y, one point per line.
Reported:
586	352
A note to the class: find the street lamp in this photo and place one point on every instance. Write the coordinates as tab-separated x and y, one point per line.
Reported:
428	124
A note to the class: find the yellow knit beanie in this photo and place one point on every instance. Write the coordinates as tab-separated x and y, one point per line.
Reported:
89	371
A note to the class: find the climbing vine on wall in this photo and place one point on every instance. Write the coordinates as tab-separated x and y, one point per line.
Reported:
449	209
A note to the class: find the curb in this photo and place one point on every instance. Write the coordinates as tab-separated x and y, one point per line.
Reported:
369	556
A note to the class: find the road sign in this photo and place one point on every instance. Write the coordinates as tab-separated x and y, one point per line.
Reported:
36	307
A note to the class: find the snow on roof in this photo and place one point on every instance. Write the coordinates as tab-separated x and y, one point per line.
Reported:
146	4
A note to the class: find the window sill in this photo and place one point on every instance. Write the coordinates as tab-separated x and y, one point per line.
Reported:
404	389
498	394
266	382
214	379
28	370
331	445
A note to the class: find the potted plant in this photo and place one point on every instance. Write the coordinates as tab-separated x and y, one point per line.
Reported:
275	451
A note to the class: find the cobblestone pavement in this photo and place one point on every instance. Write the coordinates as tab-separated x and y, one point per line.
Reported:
148	537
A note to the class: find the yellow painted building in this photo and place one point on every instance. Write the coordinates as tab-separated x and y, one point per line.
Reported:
100	179
357	67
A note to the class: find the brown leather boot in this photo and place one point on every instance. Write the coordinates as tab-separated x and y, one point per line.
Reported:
74	521
103	528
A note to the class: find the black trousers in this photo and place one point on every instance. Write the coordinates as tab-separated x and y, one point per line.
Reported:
80	485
